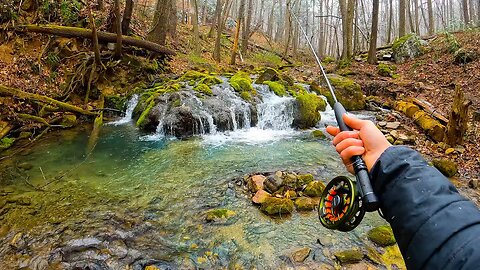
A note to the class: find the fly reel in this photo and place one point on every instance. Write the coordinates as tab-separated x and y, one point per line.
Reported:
341	206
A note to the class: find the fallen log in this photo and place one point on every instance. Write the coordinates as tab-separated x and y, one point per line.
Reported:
426	107
8	91
105	37
431	126
274	52
33	118
4	129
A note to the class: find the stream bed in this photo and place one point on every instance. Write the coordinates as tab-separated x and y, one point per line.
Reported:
138	201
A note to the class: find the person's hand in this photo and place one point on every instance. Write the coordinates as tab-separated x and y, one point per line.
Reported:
365	140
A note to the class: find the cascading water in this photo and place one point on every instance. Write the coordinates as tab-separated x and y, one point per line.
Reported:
275	112
132	103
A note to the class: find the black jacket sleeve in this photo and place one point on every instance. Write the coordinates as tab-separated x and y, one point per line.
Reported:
435	227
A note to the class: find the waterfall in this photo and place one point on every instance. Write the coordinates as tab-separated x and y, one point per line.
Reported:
131	104
275	112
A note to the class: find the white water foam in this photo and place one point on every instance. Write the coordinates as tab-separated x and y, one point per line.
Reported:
132	103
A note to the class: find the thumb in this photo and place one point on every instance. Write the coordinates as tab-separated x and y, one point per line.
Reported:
353	122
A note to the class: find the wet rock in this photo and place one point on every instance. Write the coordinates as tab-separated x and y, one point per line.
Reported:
277	206
219	214
314	189
290	180
79	245
301	254
446	166
68	120
260	196
473	183
269	74
382	236
349	256
348	92
305	204
304	179
307	111
408	47
255	183
392	125
318	134
272	183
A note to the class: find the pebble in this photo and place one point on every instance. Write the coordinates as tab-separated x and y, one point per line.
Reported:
394	133
393	125
301	254
382	123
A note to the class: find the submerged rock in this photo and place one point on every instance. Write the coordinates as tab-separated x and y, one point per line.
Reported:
277	206
318	134
349	256
446	166
219	214
382	236
301	254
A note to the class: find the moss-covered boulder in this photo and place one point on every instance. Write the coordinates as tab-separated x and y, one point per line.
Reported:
309	106
269	74
408	47
318	134
349	256
290	180
382	236
277	87
446	166
348	92
277	206
305	204
193	76
304	179
242	82
314	189
204	89
386	70
219	214
68	120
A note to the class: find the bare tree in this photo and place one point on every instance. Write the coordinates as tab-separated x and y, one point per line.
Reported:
401	18
466	16
164	21
118	29
196	33
127	16
218	15
246	28
241	13
431	21
347	9
372	52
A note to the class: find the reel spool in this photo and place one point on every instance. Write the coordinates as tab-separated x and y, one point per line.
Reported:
341	207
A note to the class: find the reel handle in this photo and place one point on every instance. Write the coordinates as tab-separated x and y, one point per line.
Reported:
370	200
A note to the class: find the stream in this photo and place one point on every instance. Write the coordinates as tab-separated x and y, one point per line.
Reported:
139	199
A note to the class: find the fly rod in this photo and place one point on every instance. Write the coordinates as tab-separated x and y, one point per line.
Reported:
343	203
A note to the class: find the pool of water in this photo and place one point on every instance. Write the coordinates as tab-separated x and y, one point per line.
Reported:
135	201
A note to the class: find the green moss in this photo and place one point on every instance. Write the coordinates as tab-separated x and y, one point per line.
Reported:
386	70
446	166
242	82
141	120
216	214
328	60
304	179
276	87
397	43
246	96
314	189
318	134
269	74
6	143
305	204
115	102
310	104
193	76
344	63
349	256
348	92
203	88
382	235
174	87
177	103
277	206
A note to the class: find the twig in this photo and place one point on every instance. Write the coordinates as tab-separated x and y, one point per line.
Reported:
42	174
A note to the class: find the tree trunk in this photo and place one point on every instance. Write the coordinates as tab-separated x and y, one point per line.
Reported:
96	47
104	37
457	124
218	15
164	22
321	42
372	53
246	28
466	16
417	22
118	29
431	20
127	16
204	12
217	18
270	21
410	17
390	21
401	18
241	13
196	34
280	29
347	8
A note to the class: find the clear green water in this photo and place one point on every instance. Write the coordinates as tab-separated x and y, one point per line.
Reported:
151	195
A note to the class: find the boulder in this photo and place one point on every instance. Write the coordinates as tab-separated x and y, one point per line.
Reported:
408	47
301	254
277	206
307	113
314	189
304	179
260	196
269	74
382	236
348	92
255	183
272	183
446	166
349	256
305	204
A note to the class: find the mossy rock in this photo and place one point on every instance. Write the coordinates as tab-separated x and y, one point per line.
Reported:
314	189
348	92
305	204
304	179
408	47
6	143
143	120
193	76
344	63
246	96
309	105
328	60
204	89
219	214
446	166
268	74
349	256
69	120
386	70
242	82
277	206
382	236
276	87
318	134
322	91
